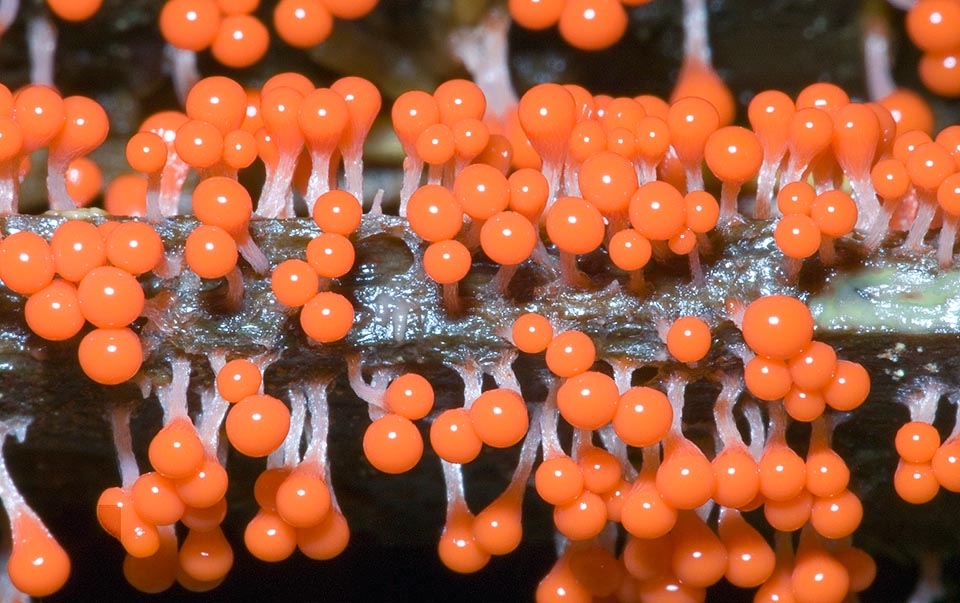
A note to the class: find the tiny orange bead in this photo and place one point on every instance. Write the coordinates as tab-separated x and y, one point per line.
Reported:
601	470
266	486
643	416
482	191
814	366
751	560
146	152
412	113
77	249
917	442
737	477
777	326
629	250
302	23
592	24
110	297
217	100
69	10
570	353
688	339
206	487
783	473
699	557
453	438
849	387
559	480
294	282
827	473
158	572
190	24
239	149
497	529
459	99
176	450
54	311
581	519
766	378
257	425
199	143
575	225
330	255
39	112
499	417
529	190
834	213
588	400
303	498
38	566
733	154
932	25
657	211
859	564
241	41
916	483
685	478
238	379
532	333
536	14
646	514
155	499
929	164
269	538
508	238
223	202
434	213
797	236
836	516
447	262
547	115
470	136
327	317
560	585
804	405
126	195
789	515
27	264
206	556
586	140
338	212
393	444
435	145
409	395
691	121
796	198
135	247
769	113
458	549
946	465
608	180
325	540
702	211
110	356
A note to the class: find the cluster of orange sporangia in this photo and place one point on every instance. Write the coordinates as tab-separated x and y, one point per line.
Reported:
620	177
934	26
237	38
189	482
622	198
926	463
584	24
